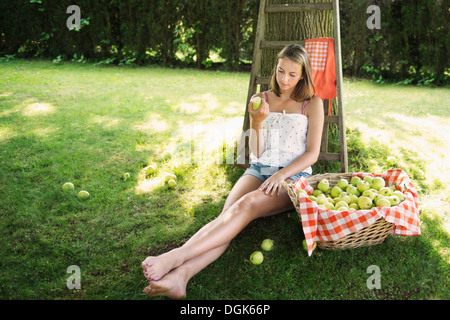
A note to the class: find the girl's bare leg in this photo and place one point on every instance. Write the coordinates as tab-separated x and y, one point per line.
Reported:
210	242
174	283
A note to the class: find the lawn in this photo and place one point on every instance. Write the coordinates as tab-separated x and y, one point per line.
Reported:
90	124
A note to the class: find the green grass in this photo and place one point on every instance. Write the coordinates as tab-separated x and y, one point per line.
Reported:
89	125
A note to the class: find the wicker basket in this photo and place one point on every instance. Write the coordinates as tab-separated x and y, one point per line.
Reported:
371	235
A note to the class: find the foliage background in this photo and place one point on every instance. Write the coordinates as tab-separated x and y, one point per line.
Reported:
411	46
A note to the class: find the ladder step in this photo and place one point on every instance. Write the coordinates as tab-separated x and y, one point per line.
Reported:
279	44
330	156
296	7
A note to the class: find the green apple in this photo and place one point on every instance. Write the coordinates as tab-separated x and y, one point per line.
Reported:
341	204
323	185
305	246
302	191
68	186
369	194
385	191
329	206
170	176
363	186
256	103
150	169
344	197
365	202
316	192
378	197
321	199
342	183
83	195
126	176
312	198
351	189
399	194
353	206
383	202
369	179
172	183
267	245
256	257
342	208
335	192
354	181
394	200
353	198
378	183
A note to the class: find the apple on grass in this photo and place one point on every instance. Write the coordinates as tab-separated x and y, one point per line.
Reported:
150	169
267	245
172	183
256	103
126	176
68	186
83	195
305	246
256	257
170	176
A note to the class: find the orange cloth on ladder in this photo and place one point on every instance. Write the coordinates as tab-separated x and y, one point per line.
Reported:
321	54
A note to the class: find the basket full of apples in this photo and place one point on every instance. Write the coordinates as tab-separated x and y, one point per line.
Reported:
348	210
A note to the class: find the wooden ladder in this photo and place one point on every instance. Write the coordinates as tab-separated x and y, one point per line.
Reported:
256	79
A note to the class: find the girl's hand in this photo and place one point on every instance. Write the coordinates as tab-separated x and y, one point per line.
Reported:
273	184
262	113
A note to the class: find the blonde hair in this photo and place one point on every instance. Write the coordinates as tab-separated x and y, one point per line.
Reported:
304	89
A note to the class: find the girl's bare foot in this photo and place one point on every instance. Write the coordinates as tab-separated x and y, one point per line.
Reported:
172	285
157	267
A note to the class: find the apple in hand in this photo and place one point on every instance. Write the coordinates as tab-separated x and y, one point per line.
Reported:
256	103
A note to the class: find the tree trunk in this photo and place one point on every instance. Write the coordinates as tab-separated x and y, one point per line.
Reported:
294	26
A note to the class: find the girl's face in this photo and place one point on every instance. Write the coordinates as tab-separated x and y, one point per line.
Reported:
289	73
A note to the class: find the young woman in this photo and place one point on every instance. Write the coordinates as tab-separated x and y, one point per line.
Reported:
285	141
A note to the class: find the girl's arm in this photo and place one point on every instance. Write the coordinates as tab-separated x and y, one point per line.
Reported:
256	139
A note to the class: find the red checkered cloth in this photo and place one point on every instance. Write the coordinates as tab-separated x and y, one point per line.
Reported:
330	225
317	52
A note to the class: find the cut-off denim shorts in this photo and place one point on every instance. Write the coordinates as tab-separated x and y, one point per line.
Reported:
263	172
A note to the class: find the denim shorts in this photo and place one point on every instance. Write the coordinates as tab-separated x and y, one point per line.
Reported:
263	172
